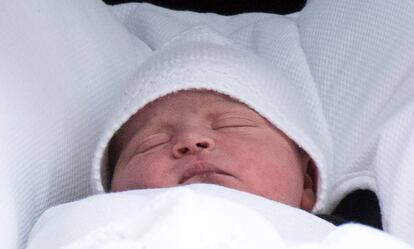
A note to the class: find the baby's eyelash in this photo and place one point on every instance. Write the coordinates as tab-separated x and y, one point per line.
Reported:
153	141
235	122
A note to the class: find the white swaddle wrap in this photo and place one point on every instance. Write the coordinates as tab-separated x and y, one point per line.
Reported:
194	216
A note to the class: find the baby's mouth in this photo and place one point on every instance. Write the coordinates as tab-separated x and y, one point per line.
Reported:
202	172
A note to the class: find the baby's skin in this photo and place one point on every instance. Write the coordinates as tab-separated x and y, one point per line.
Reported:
201	136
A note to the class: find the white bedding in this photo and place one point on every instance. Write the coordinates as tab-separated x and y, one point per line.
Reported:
192	217
64	63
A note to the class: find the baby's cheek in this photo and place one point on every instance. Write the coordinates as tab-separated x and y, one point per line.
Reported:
121	181
154	171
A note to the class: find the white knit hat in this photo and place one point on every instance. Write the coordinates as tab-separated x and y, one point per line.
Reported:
201	59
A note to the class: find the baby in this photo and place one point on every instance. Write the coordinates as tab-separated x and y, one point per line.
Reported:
200	136
203	110
185	137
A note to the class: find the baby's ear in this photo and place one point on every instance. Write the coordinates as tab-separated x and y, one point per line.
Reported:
309	183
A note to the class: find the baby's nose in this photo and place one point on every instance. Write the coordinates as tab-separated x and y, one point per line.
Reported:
192	144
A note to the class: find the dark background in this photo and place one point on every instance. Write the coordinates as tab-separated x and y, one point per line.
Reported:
227	7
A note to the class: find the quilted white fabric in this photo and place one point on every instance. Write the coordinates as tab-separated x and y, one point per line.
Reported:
361	54
62	63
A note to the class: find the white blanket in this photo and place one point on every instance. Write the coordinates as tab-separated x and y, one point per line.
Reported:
64	63
192	217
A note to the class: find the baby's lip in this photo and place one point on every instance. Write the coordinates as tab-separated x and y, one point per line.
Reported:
201	168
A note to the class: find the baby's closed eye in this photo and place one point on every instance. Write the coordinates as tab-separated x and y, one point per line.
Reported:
152	142
233	122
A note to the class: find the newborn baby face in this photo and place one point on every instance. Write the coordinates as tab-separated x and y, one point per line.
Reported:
204	137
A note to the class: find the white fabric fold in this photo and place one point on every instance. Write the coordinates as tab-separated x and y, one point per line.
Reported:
62	63
194	216
361	54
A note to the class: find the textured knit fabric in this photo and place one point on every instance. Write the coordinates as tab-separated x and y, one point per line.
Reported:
62	63
361	54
